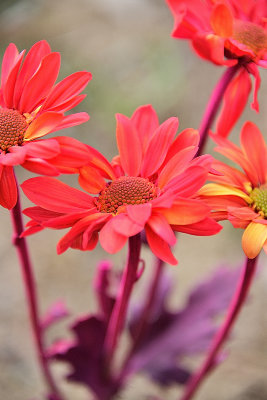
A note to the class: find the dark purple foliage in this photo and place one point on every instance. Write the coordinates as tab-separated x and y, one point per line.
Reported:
169	336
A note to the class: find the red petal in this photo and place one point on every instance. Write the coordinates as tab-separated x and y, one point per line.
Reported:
110	240
11	81
139	213
254	147
158	146
205	227
159	247
91	180
161	227
146	122
234	102
189	182
9	60
42	148
41	167
8	188
16	156
72	120
56	196
129	145
40	83
32	61
66	89
123	225
253	69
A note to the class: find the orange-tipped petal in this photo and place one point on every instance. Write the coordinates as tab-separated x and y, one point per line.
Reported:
253	239
43	125
91	180
214	189
222	20
186	211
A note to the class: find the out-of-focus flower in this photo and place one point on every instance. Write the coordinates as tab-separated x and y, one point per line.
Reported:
150	185
226	32
31	106
241	197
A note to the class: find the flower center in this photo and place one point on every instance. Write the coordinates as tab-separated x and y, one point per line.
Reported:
251	35
12	128
125	190
259	197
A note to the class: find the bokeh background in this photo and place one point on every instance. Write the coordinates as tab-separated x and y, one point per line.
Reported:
126	44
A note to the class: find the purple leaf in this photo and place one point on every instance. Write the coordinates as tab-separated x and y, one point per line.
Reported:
85	355
169	337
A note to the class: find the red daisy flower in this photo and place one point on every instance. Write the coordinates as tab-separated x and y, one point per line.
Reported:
150	185
31	107
226	32
241	197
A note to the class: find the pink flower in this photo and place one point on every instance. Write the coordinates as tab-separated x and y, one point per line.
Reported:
32	106
150	185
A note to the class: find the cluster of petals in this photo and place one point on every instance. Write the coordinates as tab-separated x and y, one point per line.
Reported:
226	32
32	106
150	157
241	196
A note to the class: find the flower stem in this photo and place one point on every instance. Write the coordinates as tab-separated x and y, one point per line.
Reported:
213	105
141	328
118	315
232	314
30	289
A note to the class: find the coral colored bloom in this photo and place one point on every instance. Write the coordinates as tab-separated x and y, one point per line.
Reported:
150	185
241	196
31	106
226	33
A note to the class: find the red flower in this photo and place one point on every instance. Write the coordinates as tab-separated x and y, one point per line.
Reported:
226	32
150	185
31	107
241	197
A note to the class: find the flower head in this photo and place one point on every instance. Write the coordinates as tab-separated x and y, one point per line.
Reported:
32	106
241	196
150	185
226	33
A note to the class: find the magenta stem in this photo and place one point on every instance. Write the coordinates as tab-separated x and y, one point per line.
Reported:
213	105
236	304
118	315
30	289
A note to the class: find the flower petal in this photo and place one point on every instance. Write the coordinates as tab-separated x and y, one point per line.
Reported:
48	148
139	213
72	120
206	227
159	247
222	20
54	195
91	180
129	145
158	223
214	189
234	102
253	239
110	240
158	146
146	122
186	211
8	187
40	83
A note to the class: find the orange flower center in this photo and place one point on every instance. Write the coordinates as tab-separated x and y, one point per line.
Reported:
125	190
12	128
251	35
259	197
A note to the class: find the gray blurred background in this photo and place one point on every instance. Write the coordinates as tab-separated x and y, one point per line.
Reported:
126	44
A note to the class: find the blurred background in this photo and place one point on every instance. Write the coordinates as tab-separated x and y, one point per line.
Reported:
126	44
